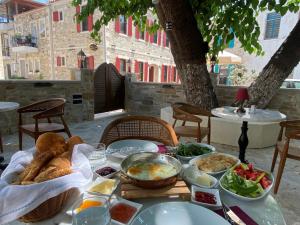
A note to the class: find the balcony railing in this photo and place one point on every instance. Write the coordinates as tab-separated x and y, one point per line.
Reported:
24	44
24	41
5	18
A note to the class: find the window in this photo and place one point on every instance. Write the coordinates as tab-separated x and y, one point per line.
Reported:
30	66
61	16
142	35
42	28
141	71
19	29
165	73
122	66
155	38
167	41
123	24
84	23
37	66
174	74
272	25
33	29
63	61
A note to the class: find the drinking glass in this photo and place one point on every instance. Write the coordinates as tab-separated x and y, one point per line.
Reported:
98	156
91	210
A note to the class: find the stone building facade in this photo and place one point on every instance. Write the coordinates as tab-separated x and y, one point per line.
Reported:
57	39
274	31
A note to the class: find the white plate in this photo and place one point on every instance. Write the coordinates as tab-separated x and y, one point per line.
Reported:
191	171
114	200
188	158
173	213
194	162
243	198
215	192
123	148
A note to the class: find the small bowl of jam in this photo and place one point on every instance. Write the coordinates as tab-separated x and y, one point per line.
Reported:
106	171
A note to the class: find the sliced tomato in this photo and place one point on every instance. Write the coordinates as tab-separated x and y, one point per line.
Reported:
265	182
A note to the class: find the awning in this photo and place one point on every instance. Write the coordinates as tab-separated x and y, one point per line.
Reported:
228	58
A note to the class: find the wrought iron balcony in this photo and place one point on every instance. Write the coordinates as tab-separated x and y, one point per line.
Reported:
24	44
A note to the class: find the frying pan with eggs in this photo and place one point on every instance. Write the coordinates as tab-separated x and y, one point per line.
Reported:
151	170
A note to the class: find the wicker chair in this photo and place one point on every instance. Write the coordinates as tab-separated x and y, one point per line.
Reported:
46	109
189	113
139	127
291	131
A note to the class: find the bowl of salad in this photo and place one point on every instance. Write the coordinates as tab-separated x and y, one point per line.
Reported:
186	152
247	183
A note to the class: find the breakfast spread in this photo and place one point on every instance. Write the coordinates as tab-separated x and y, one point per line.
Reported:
51	160
216	162
151	171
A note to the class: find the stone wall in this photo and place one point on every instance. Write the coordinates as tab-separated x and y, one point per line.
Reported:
26	92
149	98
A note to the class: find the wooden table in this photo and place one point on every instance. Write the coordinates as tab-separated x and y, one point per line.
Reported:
260	115
265	211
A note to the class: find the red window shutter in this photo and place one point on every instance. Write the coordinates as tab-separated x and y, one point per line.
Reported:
146	72
159	37
129	26
90	22
164	39
55	16
78	24
91	62
137	33
117	25
118	64
147	34
162	73
136	67
58	61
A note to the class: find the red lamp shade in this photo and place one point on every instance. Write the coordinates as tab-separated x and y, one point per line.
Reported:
242	94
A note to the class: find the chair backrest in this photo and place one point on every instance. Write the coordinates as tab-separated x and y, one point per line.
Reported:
187	112
46	108
139	127
290	129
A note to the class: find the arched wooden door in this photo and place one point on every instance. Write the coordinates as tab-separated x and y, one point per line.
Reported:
109	90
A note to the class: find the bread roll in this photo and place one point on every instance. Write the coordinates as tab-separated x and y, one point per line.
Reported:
74	140
50	142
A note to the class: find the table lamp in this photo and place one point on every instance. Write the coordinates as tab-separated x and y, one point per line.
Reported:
241	97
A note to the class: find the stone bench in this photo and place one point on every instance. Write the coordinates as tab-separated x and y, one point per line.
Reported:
223	131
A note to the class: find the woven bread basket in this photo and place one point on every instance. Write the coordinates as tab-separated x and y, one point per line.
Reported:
49	208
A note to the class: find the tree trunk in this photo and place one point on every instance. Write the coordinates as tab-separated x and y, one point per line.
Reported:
189	50
279	67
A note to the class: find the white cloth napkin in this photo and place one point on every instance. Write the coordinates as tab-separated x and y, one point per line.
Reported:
17	200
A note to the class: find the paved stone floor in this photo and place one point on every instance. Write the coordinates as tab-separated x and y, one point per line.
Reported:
288	196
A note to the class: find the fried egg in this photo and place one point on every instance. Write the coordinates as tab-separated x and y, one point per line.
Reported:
151	171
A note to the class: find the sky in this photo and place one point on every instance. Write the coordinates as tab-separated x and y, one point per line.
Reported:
42	1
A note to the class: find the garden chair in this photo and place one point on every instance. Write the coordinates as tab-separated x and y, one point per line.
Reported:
189	113
291	131
46	109
139	127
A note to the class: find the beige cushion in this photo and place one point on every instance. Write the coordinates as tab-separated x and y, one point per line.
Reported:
43	127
